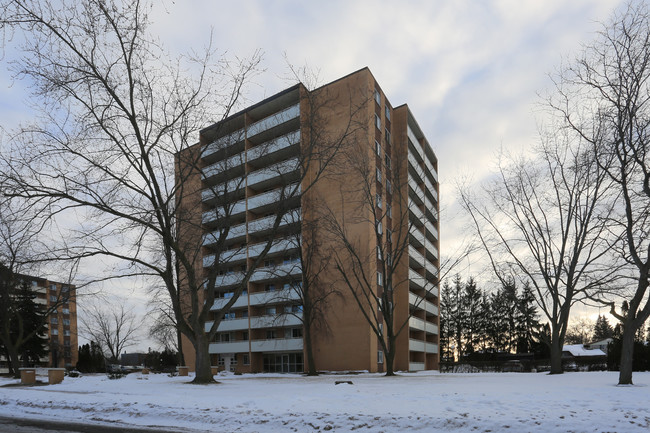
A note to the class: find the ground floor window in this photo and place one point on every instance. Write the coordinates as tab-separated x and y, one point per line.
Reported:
283	363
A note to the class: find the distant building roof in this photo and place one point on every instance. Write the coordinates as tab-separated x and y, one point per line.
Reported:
579	350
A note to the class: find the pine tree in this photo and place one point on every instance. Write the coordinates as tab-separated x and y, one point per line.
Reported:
445	330
31	315
528	326
602	329
456	315
474	316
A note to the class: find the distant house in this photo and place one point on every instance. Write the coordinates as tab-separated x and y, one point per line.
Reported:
602	344
582	355
132	358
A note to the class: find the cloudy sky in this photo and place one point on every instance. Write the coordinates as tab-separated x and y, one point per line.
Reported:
470	71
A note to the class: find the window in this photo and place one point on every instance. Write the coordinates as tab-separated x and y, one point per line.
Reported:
380	279
296	308
380	357
244	314
246	360
387	111
233	360
270	311
379	257
55	331
381	328
389	261
389	187
389	210
389	235
380	228
53	287
52	298
65	311
378	122
377	148
378	175
379	203
228	294
229	316
387	136
66	333
296	333
271	334
65	289
270	288
35	283
268	263
54	321
377	97
387	158
66	322
220	360
225	337
244	335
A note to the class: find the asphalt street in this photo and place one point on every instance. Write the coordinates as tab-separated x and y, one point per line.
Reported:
22	425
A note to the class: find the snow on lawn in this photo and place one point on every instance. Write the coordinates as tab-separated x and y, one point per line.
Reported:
426	402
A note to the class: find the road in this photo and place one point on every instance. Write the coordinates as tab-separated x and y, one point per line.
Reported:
22	425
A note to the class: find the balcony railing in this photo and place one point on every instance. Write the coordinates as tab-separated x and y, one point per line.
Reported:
230	325
272	146
276	170
267	222
416	279
422	304
230	186
278	321
223	166
278	245
274	120
422	346
417	237
422	325
264	298
273	196
277	345
268	273
230	347
416	366
233	232
220	212
222	143
416	260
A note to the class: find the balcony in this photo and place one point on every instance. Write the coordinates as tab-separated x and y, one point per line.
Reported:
431	251
416	237
283	320
229	279
416	260
266	223
415	167
423	325
278	246
416	279
273	197
230	325
274	149
431	231
274	120
232	186
277	345
221	212
422	346
222	143
422	304
233	233
416	366
270	273
226	256
415	144
416	213
432	289
219	303
265	298
416	192
430	169
222	167
230	347
274	173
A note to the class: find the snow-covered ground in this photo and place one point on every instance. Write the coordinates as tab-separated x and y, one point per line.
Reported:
426	402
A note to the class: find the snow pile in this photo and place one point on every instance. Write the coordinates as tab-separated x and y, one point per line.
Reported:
426	402
578	350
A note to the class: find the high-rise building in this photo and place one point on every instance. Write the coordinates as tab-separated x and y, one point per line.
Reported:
251	159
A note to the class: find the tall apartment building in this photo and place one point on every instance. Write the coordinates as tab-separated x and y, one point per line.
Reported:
59	300
247	159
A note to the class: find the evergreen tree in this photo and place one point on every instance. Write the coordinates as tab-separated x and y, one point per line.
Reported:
474	316
31	315
457	319
602	329
445	332
528	326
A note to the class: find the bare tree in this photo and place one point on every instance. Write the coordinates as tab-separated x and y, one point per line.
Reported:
113	326
543	220
579	331
604	96
116	148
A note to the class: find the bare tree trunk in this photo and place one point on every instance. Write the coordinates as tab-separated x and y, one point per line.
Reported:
203	367
627	353
556	354
311	363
